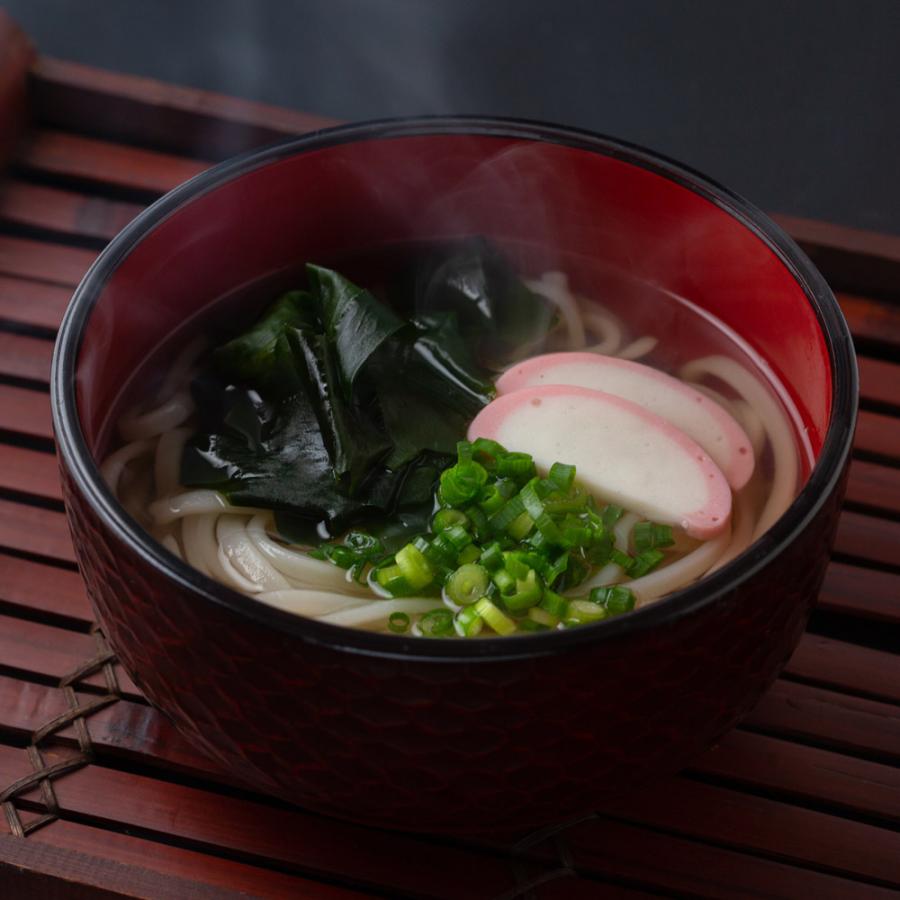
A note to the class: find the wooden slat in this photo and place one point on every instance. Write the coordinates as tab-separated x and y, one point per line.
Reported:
858	591
808	773
25	357
43	588
66	212
104	162
47	651
688	868
35	530
25	411
879	381
129	730
16	57
32	711
140	731
134	867
41	261
847	666
830	235
142	111
878	434
761	825
296	839
870	319
865	261
868	537
761	762
875	486
30	472
33	302
830	718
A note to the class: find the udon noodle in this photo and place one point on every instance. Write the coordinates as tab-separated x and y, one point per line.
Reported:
240	547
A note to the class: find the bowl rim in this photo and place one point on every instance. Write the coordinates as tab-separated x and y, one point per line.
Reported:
823	479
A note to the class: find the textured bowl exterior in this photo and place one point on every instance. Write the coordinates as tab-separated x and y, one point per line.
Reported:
440	745
453	735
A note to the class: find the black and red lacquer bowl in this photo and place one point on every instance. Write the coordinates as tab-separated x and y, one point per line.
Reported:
432	734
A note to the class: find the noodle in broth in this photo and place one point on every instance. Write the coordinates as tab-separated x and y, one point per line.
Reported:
240	547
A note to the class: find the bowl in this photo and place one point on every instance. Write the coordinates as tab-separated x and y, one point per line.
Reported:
446	735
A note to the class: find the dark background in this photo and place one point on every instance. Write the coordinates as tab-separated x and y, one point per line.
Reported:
795	104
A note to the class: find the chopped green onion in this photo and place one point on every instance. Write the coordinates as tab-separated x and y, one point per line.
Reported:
616	598
414	567
447	518
611	514
645	562
600	550
343	557
460	484
562	475
487	452
650	535
549	529
468	554
437	623
532	503
528	593
621	601
491	500
398	622
542	617
439	552
556	568
554	604
457	536
516	563
504	516
577	570
479	522
505	582
507	488
392	579
582	612
520	526
575	502
492	557
502	545
519	466
494	617
467	622
467	584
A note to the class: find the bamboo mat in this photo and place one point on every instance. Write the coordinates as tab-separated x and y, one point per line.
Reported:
803	799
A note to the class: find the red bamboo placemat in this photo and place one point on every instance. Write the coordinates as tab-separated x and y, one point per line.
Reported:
802	798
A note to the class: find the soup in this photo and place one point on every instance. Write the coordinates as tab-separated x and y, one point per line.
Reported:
456	451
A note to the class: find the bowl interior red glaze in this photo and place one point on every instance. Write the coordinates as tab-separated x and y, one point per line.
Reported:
550	205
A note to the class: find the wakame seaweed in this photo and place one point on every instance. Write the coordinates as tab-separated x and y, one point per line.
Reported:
334	409
498	315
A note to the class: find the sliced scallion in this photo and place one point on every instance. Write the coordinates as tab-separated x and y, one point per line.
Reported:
468	623
467	584
398	622
437	623
414	567
494	617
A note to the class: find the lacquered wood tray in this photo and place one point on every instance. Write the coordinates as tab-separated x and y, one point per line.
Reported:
803	799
